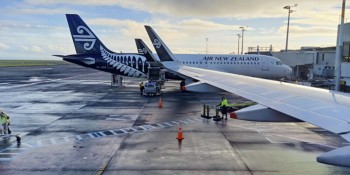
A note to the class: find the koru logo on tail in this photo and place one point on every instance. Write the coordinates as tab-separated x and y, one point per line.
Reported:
88	38
156	43
143	50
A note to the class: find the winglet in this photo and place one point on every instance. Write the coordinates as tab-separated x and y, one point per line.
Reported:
162	50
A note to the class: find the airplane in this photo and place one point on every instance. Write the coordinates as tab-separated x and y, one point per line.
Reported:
277	101
235	67
262	66
92	53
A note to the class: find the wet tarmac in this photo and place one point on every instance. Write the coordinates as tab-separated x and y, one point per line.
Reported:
73	122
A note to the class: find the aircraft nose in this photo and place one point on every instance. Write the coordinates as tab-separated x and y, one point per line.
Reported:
287	72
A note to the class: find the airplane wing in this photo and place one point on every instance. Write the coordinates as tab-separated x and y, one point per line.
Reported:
327	109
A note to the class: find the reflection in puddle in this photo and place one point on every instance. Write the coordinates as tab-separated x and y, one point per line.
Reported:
35	79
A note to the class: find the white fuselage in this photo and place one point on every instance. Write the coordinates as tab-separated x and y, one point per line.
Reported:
251	64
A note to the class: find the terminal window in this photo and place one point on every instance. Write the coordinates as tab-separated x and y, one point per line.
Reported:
346	51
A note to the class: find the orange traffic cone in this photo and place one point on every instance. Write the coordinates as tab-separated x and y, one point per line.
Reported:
160	103
179	134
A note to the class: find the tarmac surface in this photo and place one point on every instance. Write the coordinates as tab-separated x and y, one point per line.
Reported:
73	122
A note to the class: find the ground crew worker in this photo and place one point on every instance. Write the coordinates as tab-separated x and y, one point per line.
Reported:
3	118
142	88
8	122
182	84
224	106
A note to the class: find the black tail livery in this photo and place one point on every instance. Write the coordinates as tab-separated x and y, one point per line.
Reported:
162	50
150	57
92	53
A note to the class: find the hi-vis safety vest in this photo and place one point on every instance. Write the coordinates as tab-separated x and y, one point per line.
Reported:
224	102
3	119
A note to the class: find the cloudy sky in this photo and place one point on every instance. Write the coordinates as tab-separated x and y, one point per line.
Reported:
37	29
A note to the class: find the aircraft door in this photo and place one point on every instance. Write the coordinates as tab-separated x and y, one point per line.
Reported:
264	64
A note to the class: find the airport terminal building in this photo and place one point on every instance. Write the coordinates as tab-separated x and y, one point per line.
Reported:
316	62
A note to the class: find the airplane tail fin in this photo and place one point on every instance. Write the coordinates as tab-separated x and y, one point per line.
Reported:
162	50
142	48
85	41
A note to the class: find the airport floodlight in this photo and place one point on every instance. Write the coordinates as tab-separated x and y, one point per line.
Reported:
288	7
239	36
243	29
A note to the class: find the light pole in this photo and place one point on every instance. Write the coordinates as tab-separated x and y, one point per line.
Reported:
288	7
243	29
239	36
206	45
339	50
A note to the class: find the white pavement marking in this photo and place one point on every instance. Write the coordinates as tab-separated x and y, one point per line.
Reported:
131	128
176	123
168	124
160	125
123	131
91	135
97	134
78	137
103	134
114	133
149	127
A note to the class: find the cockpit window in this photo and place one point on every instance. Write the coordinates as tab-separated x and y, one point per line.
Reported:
278	63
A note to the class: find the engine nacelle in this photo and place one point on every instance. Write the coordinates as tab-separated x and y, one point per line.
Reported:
201	87
261	113
338	157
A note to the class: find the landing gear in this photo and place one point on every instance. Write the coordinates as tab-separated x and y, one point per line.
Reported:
116	80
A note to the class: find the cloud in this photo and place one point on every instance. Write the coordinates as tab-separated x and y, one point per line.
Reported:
3	46
300	31
241	9
11	26
207	25
45	11
182	25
